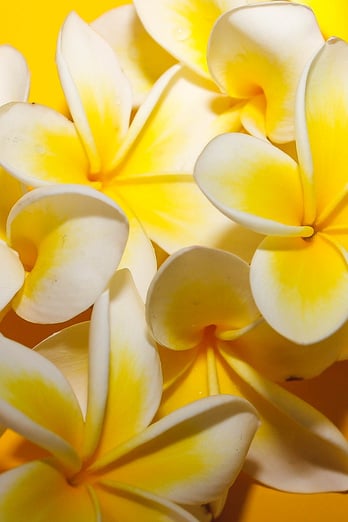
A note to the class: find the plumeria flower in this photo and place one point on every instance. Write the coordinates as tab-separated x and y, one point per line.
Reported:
144	163
299	272
199	310
254	53
63	245
105	459
141	58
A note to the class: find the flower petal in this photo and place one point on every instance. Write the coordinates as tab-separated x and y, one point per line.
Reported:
68	351
322	128
11	190
279	359
181	27
141	58
263	48
254	183
39	146
195	289
296	448
37	491
300	287
37	402
14	74
135	380
11	276
192	455
98	93
132	503
70	239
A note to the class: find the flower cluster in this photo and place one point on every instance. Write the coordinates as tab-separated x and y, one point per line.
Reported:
191	202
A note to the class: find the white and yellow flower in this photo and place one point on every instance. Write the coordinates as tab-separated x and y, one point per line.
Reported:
200	310
254	53
63	244
104	458
299	273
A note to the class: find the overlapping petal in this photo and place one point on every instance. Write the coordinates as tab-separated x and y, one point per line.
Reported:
201	446
23	496
70	240
262	49
132	503
39	146
98	93
254	183
322	129
141	58
296	447
198	288
331	16
309	301
14	74
37	402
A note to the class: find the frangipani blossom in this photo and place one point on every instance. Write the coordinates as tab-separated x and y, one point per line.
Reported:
299	273
63	245
254	53
199	309
332	16
145	164
110	462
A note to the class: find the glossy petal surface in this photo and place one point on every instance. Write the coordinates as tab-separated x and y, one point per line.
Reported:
14	74
11	276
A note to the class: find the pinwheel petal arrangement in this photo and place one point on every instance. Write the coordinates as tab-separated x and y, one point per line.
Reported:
174	247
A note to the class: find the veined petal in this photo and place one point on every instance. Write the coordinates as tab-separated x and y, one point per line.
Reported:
68	351
192	455
195	289
322	127
37	491
263	48
135	380
254	183
141	58
296	447
11	274
300	286
39	146
14	74
70	239
181	27
131	503
37	402
98	93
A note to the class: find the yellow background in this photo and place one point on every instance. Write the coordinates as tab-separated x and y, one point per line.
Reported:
32	27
